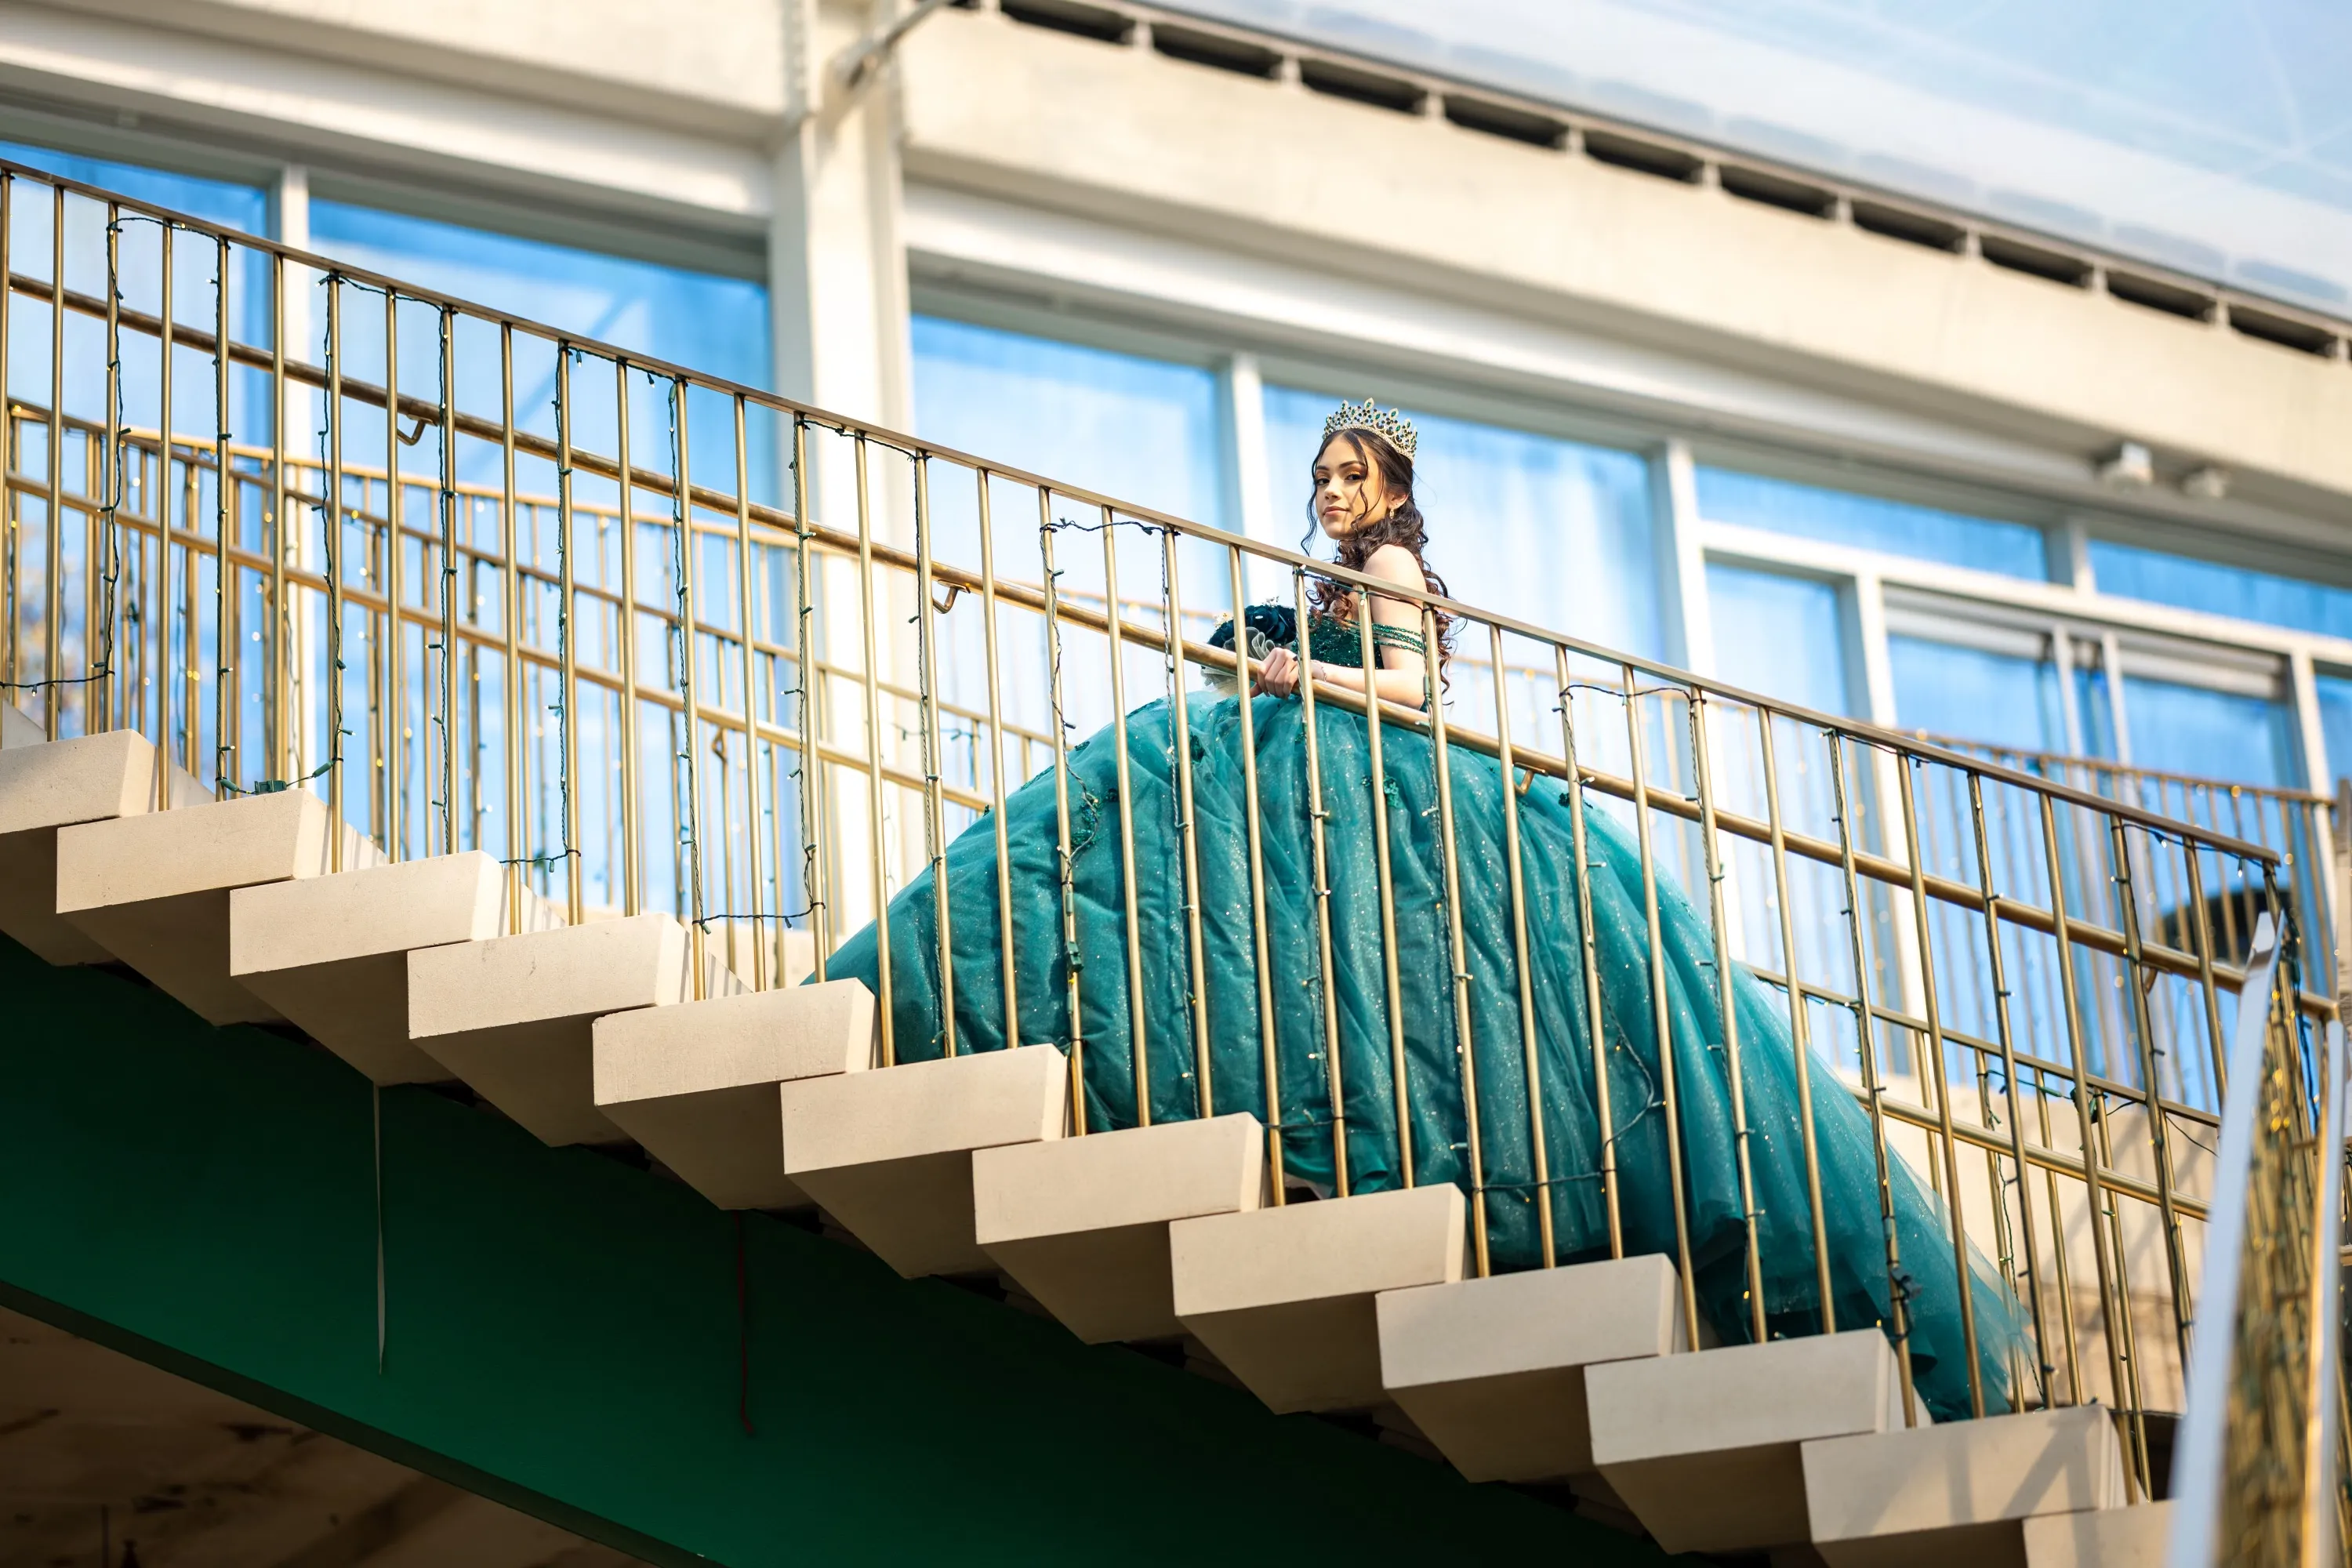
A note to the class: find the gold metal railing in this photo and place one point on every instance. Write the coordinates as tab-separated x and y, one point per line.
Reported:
660	642
2296	824
2260	1477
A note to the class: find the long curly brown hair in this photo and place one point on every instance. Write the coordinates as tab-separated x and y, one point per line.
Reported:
1403	525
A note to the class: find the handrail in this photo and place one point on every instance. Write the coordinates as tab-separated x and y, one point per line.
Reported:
1273	554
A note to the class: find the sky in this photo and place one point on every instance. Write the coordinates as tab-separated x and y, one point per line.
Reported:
2214	137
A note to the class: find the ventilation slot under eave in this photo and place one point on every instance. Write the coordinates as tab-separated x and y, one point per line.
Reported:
1775	189
1065	16
2019	256
2158	295
1363	86
1502	120
1215	51
2285	331
1912	227
1645	157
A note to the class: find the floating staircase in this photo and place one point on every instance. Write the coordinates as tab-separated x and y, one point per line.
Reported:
1580	1376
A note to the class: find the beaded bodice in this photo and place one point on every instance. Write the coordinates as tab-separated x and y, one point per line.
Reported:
1330	639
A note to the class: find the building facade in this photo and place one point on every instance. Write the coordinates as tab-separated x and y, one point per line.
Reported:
1853	451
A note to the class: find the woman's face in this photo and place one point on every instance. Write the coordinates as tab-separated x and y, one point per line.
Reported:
1349	492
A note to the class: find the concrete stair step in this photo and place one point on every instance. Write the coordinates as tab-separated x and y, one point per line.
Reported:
1492	1371
889	1154
45	785
1706	1449
153	889
1081	1224
330	953
2132	1537
697	1084
1285	1297
513	1016
1957	1496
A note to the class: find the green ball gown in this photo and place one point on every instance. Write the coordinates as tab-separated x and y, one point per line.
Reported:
1854	1224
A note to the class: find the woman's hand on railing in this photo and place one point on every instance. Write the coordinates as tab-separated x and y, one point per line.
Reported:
1279	676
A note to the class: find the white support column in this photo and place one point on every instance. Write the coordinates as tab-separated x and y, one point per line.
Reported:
837	297
1872	671
2318	770
2303	686
289	206
836	258
1682	563
289	219
2110	659
1251	501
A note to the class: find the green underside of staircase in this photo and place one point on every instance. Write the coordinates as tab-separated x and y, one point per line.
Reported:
564	1333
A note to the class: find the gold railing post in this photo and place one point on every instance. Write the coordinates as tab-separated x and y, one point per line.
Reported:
2061	923
1005	957
745	623
331	515
2201	926
394	705
1457	952
1139	1032
567	651
1269	1053
1072	961
1800	1049
1588	947
1662	1021
226	682
681	491
281	504
53	596
2136	981
1318	810
106	525
868	613
517	887
167	664
927	702
1873	1094
1728	1001
2041	1364
632	807
1393	989
1947	1146
1515	876
1179	738
448	519
814	822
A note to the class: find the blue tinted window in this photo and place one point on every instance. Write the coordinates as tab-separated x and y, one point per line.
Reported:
1544	530
1142	430
2207	585
1780	635
1974	694
1840	517
705	322
137	280
2195	729
219	201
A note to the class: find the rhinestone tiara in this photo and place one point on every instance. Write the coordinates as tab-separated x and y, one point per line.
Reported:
1386	423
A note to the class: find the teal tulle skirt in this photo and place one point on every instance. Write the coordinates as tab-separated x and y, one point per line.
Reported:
1438	1128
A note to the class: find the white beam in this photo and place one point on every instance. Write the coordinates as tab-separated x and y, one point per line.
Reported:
1682	559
